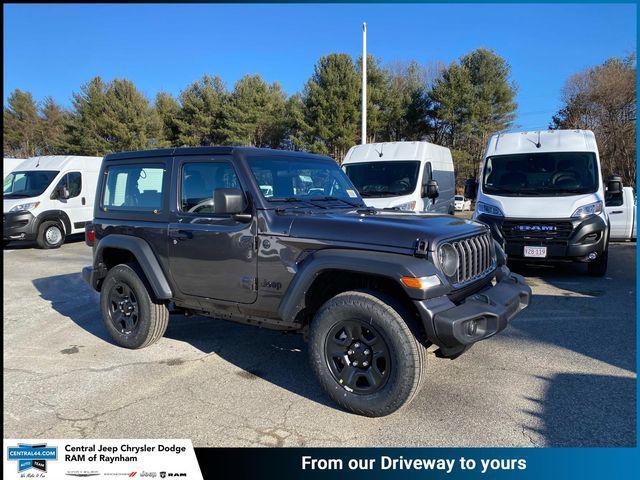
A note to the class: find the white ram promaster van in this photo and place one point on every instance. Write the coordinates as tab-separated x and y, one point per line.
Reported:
542	194
48	198
9	164
403	175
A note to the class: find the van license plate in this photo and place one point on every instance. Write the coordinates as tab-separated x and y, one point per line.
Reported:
535	252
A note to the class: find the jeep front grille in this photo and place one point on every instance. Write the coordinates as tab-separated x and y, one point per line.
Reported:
475	258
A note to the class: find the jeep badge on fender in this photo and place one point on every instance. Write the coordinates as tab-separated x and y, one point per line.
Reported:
371	289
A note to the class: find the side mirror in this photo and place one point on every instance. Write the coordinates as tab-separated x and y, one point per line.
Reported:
229	201
614	185
430	190
470	188
62	193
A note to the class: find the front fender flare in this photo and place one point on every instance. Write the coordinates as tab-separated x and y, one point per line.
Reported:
390	265
147	260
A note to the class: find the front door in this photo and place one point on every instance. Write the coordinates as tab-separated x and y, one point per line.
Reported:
618	214
75	206
210	256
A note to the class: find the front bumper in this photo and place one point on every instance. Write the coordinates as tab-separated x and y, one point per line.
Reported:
454	328
18	226
574	238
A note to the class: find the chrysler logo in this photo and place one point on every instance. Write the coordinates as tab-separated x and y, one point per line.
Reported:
535	228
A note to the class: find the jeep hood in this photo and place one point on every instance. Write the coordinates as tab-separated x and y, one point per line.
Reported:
388	229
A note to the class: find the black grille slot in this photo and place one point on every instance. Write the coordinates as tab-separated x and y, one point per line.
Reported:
475	258
536	230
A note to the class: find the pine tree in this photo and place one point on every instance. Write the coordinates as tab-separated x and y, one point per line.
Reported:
255	114
52	138
201	118
331	104
167	110
21	125
111	117
87	132
471	100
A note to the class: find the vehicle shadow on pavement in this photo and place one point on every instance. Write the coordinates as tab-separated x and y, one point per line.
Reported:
273	356
586	315
277	357
587	411
71	297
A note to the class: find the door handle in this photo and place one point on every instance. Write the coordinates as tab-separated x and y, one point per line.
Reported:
178	235
616	211
84	201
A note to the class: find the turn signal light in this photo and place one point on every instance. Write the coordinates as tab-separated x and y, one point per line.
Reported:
421	283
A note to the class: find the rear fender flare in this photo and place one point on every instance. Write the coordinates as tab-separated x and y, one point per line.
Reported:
147	260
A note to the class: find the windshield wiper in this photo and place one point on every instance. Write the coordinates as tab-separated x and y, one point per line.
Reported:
336	199
297	200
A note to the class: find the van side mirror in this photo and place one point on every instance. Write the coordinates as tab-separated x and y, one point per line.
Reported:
62	193
470	188
614	185
613	194
230	201
430	190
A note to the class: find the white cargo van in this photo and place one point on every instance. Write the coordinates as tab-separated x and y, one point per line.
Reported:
542	194
9	164
401	174
48	198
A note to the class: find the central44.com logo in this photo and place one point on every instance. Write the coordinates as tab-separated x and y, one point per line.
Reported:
32	456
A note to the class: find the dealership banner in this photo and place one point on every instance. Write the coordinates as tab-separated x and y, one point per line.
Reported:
59	459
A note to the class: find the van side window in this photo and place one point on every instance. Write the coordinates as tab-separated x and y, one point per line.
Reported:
73	182
133	187
613	200
199	180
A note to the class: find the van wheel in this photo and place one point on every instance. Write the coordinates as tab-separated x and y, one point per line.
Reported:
364	350
50	235
599	267
133	318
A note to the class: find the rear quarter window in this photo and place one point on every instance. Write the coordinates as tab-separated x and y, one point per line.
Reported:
134	187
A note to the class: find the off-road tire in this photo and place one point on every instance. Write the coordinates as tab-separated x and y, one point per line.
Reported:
402	335
153	315
599	267
44	240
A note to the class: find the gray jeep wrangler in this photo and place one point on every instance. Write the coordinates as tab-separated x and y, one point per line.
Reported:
282	240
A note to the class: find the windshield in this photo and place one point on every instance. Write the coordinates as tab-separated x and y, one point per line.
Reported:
27	184
384	179
458	198
299	179
546	174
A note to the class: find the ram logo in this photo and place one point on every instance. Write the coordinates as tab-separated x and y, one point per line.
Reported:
535	228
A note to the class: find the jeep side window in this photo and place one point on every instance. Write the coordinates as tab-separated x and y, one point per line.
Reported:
133	187
199	180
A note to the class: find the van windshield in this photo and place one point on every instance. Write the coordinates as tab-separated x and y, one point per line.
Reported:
27	184
541	174
384	179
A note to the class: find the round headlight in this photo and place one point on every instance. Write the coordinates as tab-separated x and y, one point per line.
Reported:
448	259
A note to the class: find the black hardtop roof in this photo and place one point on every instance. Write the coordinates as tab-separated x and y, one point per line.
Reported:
181	151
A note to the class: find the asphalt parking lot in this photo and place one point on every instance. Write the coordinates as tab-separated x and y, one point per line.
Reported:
563	374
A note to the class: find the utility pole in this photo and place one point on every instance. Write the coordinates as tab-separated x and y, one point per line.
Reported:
364	83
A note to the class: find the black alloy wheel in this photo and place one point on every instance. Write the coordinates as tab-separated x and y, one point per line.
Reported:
358	356
123	308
